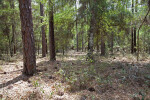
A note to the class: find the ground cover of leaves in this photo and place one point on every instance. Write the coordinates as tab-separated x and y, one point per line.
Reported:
71	77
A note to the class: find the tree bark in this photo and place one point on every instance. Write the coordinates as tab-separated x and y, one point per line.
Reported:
12	39
29	58
97	40
43	32
132	40
112	43
135	49
51	33
91	30
132	30
82	41
102	45
77	37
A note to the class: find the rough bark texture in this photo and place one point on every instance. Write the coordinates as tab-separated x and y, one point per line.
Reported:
43	32
29	58
51	33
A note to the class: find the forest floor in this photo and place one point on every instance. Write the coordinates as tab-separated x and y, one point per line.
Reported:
71	77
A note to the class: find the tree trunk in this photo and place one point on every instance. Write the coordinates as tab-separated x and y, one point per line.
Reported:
51	33
46	46
135	40
77	37
43	32
133	34
63	51
112	43
29	58
91	31
90	39
97	40
38	48
102	45
132	40
12	40
82	41
135	49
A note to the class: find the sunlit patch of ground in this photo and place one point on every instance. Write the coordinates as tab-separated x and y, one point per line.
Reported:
71	77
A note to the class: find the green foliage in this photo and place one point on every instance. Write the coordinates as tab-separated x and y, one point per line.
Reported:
36	84
111	16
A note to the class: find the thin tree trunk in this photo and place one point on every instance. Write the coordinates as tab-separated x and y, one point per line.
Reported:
77	28
97	40
43	32
82	41
38	48
12	40
132	43
46	45
135	49
112	43
63	51
135	40
51	33
102	45
29	58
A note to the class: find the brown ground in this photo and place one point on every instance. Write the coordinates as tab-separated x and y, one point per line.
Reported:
71	77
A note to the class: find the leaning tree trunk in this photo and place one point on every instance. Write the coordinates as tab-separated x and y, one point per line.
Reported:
29	58
51	33
43	32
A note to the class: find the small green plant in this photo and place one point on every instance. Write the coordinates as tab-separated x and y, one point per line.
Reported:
99	80
93	97
61	72
36	83
51	95
42	90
